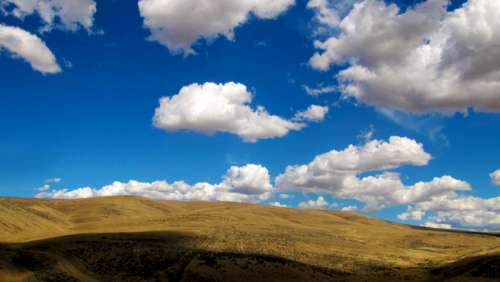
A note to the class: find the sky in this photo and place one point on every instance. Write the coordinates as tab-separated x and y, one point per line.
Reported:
388	108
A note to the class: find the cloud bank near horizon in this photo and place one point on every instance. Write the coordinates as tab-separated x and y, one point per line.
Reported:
439	202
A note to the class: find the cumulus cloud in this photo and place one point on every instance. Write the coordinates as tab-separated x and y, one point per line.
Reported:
210	108
29	47
337	173
350	208
374	155
431	224
464	211
278	204
319	203
495	177
66	14
250	179
329	13
425	59
439	201
314	113
249	183
387	189
179	24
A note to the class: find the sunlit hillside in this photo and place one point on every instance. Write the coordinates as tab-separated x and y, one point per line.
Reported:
138	239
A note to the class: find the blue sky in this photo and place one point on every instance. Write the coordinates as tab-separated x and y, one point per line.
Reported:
91	123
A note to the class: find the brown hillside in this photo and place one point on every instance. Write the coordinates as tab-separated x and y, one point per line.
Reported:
135	238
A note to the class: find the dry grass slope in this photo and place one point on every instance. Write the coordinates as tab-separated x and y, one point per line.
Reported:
140	239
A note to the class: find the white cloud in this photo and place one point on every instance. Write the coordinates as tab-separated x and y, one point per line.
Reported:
495	177
319	203
337	173
350	208
426	59
329	13
278	204
431	224
54	180
179	24
366	135
286	196
374	155
440	201
67	14
47	184
250	179
43	188
325	14
415	215
465	211
29	47
211	108
320	90
314	113
387	189
249	183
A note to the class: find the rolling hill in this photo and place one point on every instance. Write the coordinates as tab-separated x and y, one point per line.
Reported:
137	239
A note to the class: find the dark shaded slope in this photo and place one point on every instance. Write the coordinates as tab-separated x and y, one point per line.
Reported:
485	267
170	257
147	257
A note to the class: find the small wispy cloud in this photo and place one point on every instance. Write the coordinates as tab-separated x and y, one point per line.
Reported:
319	90
366	135
431	125
47	184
